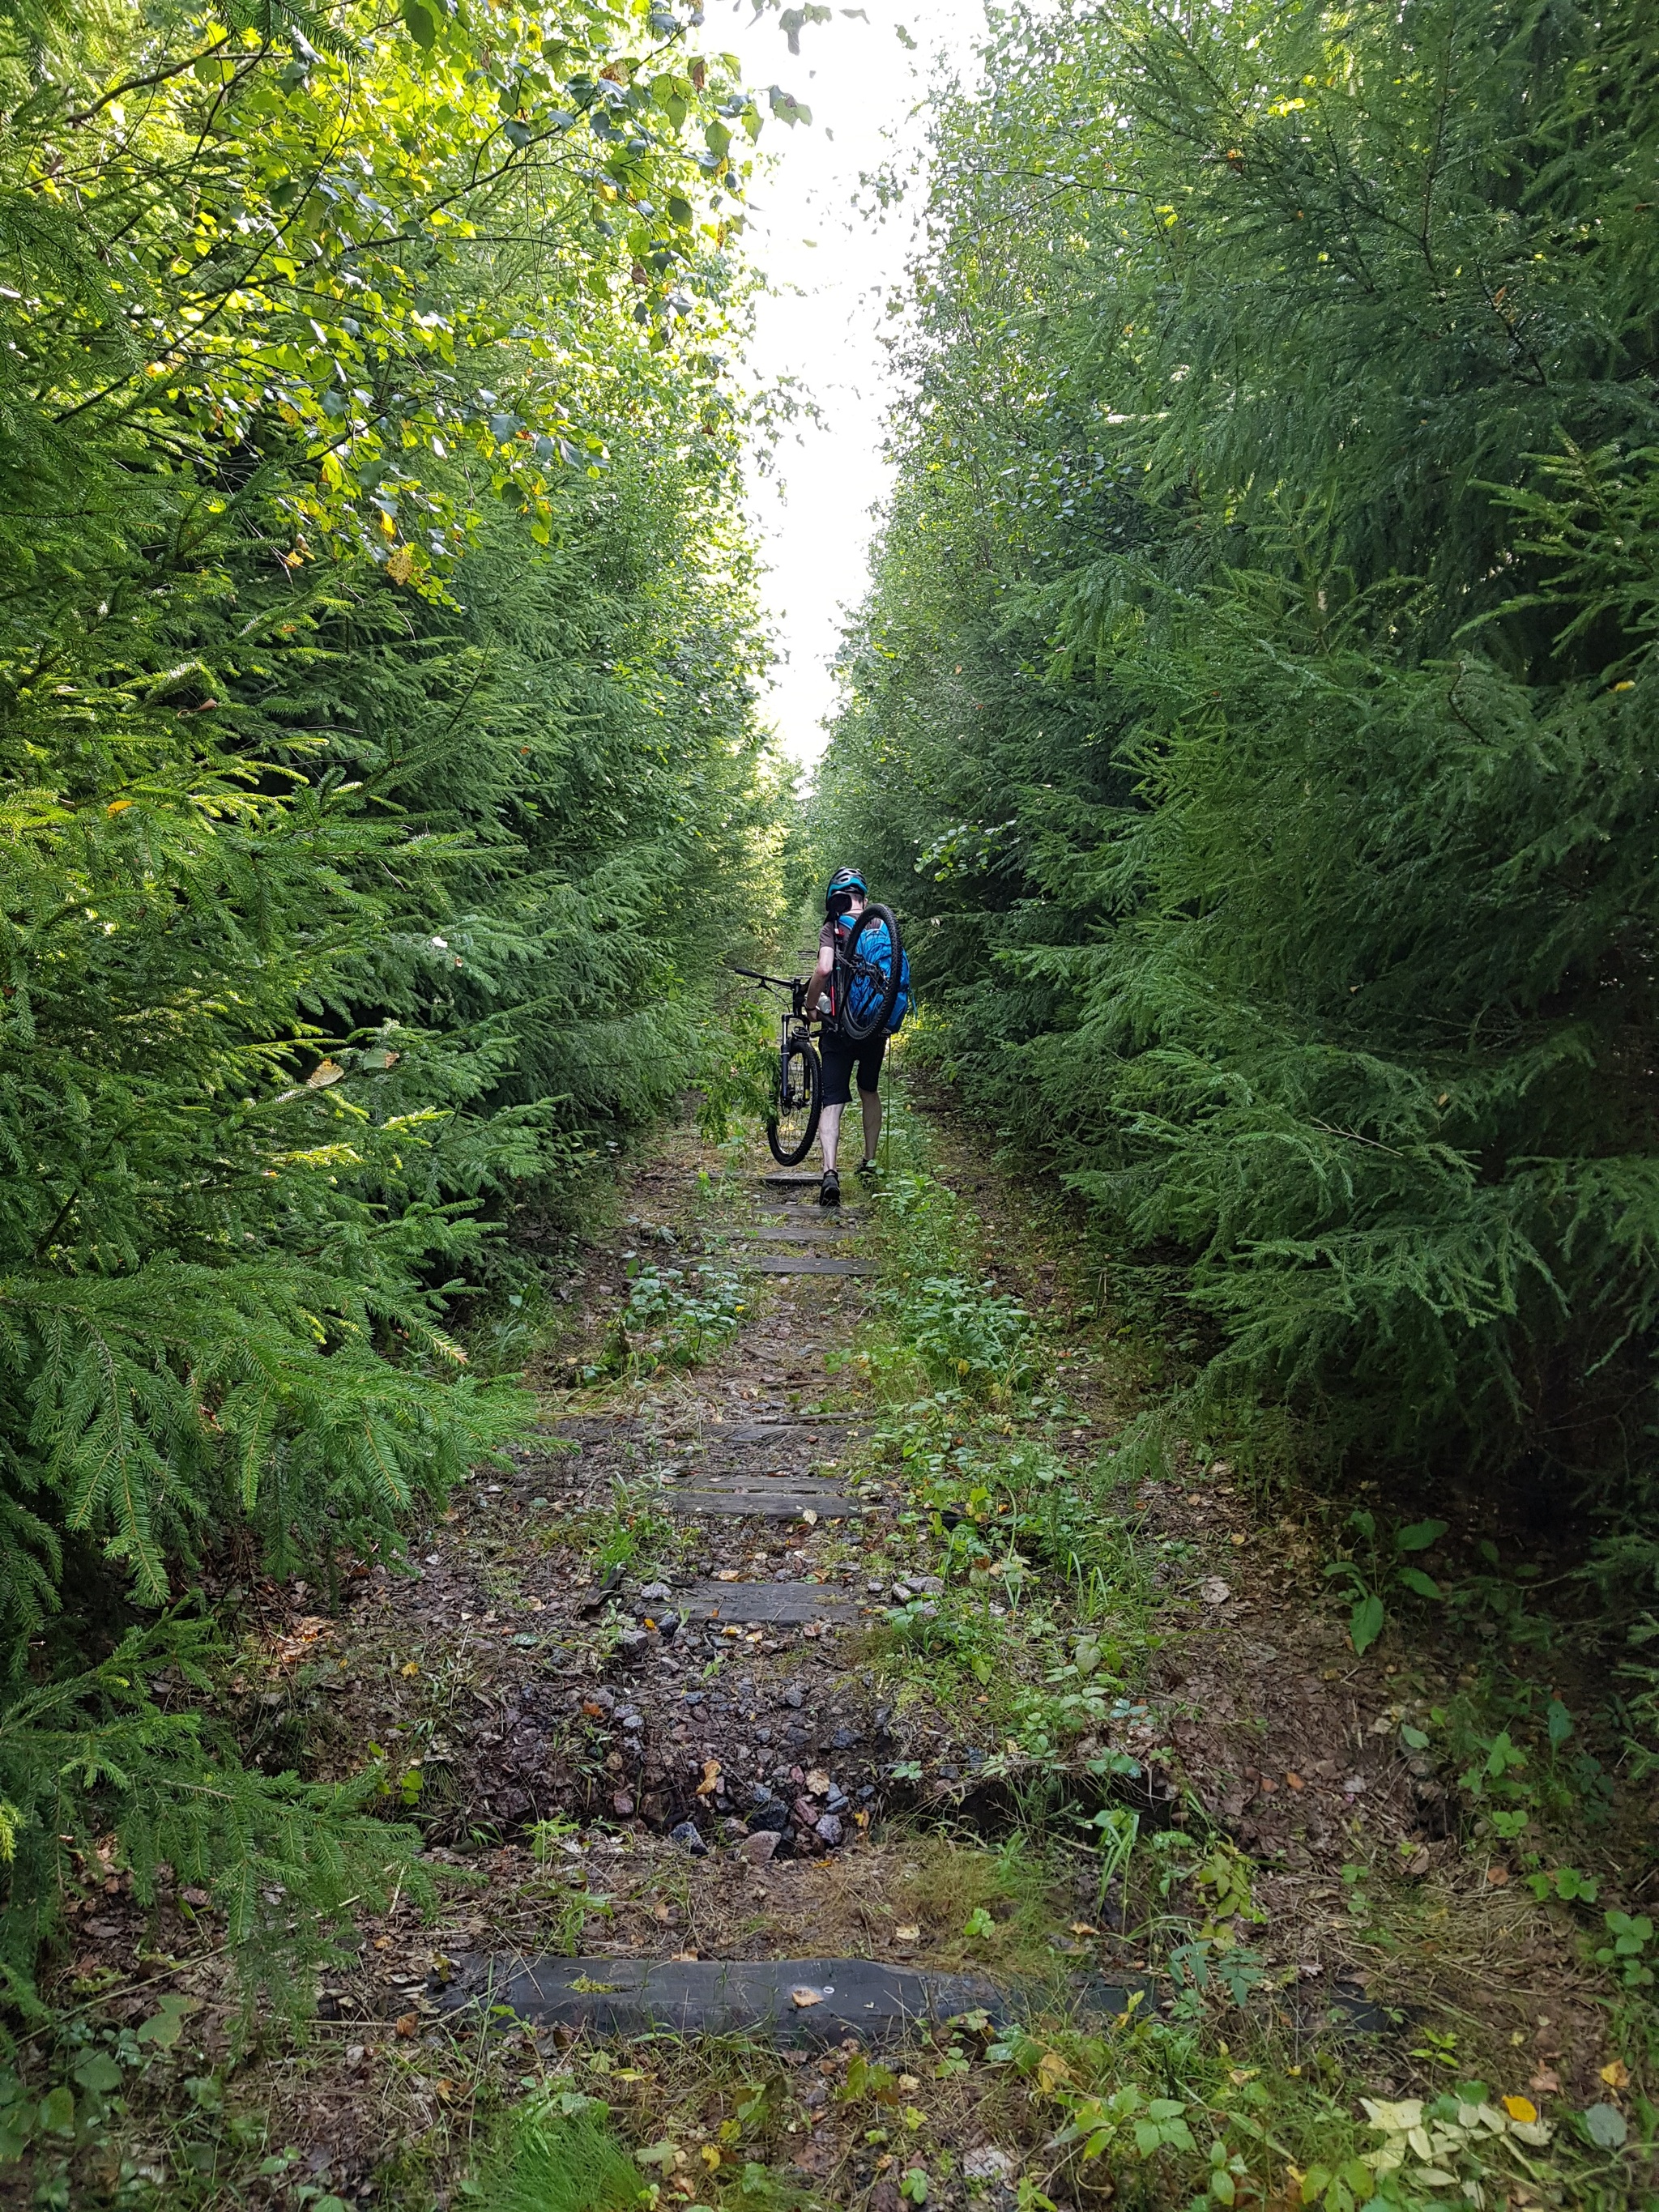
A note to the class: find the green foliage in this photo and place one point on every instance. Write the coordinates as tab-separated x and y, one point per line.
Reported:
668	1323
379	778
1258	675
559	2156
97	1752
1626	1949
737	1070
1380	1569
969	1336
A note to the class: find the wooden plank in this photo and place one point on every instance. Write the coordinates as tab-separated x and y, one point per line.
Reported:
803	1209
778	1505
838	1998
804	1264
806	1232
788	1603
771	1432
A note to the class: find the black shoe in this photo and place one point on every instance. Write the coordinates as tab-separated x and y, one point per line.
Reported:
829	1188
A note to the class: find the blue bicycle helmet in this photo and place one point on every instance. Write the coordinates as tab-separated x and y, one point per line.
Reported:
843	880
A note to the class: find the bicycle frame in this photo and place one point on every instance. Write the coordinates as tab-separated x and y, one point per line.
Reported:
794	1025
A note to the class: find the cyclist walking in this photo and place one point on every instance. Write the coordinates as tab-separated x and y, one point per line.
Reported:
843	902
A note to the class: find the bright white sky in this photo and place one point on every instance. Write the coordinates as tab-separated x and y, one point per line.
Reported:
829	271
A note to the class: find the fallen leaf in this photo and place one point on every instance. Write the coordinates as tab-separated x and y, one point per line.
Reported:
682	1958
1616	2075
1294	1781
728	1575
1083	1927
325	1072
1606	2126
1214	1591
1498	1876
809	1517
803	1996
1521	2108
408	2025
907	1935
1420	1861
410	1671
909	2083
165	2027
1240	1539
1052	2070
818	1782
1546	2081
711	1776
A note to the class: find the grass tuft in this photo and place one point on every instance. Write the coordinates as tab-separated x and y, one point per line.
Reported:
555	2161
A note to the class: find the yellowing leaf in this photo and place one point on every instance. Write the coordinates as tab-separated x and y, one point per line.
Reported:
803	1996
1616	2075
711	1777
1521	2108
1394	2119
1052	2070
118	806
401	565
325	1072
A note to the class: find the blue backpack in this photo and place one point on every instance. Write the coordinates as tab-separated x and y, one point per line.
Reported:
865	995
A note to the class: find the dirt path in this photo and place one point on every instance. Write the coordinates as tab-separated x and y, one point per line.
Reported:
818	1680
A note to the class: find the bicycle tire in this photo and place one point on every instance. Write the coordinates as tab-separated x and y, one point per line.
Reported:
791	1126
858	1032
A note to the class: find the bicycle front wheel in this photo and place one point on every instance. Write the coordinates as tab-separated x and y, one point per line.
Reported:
797	1100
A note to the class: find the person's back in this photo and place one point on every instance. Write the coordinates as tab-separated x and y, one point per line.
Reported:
844	902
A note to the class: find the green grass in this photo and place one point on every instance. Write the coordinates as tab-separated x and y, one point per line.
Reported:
558	2162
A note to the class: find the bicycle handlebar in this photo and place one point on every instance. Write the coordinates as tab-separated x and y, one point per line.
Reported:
781	983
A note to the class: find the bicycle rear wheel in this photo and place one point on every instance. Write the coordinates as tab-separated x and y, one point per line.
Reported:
867	986
797	1100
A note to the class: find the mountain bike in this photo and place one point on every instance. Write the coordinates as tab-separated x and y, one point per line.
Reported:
797	1078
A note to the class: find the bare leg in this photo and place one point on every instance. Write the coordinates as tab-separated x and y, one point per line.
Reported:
829	1136
870	1107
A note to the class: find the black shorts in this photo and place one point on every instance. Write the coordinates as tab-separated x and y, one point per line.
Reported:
840	1055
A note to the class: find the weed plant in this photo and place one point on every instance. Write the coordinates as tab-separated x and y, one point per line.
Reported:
672	1319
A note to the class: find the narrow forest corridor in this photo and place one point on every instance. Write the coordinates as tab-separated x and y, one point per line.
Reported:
541	1669
837	1777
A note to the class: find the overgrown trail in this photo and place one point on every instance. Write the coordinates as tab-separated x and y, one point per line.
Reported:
836	1764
